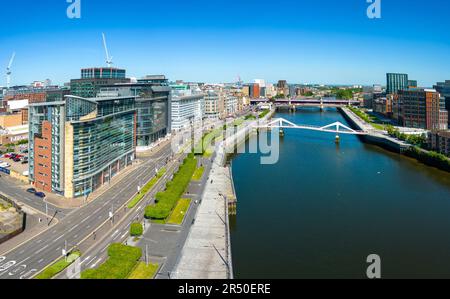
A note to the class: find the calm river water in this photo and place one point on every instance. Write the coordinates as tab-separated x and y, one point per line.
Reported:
323	208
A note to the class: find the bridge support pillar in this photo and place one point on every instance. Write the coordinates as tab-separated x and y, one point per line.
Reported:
338	139
281	132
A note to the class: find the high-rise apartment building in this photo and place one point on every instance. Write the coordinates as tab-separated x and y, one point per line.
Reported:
396	82
77	145
423	108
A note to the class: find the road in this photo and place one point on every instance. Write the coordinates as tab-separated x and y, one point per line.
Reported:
25	260
15	191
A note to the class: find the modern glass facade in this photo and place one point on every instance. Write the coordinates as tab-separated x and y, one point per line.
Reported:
101	148
91	141
396	82
152	106
103	72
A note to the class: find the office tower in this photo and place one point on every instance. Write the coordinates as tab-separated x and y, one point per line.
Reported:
94	78
396	82
153	106
77	145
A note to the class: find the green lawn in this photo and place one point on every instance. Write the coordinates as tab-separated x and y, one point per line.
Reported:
179	212
198	173
142	271
58	266
146	188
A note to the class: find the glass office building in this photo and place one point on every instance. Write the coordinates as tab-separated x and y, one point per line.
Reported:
396	82
91	141
153	100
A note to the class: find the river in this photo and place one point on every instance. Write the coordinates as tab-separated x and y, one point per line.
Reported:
323	208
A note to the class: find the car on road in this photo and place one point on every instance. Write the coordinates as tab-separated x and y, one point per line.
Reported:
40	194
31	190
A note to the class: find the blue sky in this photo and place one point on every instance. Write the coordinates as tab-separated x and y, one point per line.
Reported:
303	41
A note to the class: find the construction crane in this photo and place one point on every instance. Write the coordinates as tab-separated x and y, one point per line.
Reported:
109	61
8	70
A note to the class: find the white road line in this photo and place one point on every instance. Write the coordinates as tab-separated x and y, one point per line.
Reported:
86	259
42	249
56	240
73	227
40	261
95	264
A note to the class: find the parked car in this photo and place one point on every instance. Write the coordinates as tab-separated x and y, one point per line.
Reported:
5	165
25	162
40	194
31	190
16	160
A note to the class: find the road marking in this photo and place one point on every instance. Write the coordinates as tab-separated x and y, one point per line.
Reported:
42	249
38	241
76	236
40	261
115	233
86	259
28	273
56	240
73	227
95	264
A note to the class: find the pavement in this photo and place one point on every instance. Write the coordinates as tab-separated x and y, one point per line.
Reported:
206	253
27	259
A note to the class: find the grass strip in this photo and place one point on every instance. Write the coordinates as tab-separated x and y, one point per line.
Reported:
144	271
146	188
58	266
179	212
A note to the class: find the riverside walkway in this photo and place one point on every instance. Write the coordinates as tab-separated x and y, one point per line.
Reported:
206	253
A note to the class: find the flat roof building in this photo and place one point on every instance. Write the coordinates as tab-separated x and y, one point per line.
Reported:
396	82
77	145
187	107
153	106
423	108
94	78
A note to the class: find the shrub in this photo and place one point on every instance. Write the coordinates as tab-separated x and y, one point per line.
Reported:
122	260
136	230
166	201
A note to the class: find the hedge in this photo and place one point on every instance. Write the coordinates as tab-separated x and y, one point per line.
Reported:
146	188
121	262
166	201
430	158
136	230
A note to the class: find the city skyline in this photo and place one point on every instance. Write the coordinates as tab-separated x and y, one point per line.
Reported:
216	42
